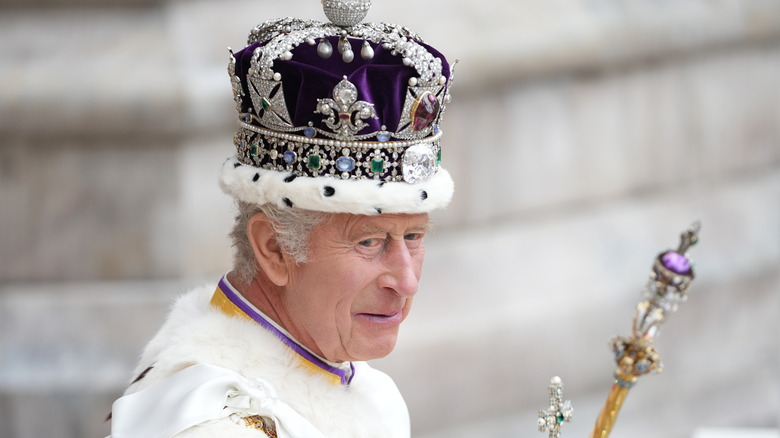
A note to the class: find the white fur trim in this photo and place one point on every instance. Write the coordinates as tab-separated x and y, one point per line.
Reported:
195	332
367	197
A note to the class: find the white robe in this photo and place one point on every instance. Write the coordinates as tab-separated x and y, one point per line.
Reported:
198	333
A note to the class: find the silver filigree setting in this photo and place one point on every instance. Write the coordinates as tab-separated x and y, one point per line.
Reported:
345	114
235	82
269	105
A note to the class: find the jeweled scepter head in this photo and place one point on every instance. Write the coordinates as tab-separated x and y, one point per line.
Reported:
669	281
635	356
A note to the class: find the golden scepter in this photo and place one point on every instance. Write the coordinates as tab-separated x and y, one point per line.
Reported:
671	276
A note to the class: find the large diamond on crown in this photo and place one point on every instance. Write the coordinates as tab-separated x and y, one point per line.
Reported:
419	163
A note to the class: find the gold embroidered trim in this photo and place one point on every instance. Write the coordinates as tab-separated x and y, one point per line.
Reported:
261	423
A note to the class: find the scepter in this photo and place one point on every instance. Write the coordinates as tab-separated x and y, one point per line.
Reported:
635	356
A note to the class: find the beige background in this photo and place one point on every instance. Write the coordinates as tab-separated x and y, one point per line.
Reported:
584	135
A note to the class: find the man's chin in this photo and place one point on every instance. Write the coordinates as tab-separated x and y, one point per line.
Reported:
375	348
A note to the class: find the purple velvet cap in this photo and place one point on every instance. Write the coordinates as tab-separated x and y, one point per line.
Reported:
382	81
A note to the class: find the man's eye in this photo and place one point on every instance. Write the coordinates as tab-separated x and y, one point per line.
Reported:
413	236
369	242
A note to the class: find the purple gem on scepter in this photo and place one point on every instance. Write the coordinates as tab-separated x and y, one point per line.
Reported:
676	263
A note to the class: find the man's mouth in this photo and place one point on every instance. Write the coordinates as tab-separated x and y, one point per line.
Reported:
384	318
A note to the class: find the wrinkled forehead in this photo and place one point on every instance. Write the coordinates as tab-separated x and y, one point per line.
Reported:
349	225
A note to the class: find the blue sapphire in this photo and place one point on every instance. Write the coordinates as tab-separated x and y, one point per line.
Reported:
290	157
345	164
383	136
309	132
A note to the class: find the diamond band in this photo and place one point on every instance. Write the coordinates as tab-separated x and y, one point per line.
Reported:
412	161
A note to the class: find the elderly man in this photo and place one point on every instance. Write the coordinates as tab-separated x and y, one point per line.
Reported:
337	167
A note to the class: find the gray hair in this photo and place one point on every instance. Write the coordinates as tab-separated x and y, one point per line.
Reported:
292	229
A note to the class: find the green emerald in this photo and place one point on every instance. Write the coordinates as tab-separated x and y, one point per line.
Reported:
559	418
254	149
377	165
313	161
265	103
438	157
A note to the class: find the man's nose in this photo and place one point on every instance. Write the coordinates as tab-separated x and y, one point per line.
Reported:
403	268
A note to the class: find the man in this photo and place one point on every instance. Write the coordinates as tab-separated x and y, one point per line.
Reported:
337	167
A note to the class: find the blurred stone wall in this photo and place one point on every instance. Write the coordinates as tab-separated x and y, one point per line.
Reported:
583	137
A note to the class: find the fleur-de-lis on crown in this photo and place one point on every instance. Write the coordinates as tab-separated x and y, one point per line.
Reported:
345	113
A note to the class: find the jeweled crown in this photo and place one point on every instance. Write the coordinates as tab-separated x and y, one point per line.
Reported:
342	100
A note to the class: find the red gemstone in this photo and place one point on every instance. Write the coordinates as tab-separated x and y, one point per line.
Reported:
344	116
425	111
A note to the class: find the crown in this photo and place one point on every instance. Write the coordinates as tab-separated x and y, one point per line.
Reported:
324	104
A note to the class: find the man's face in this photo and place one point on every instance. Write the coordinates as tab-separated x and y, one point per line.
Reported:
348	301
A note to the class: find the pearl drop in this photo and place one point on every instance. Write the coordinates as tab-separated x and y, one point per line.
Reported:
344	45
348	56
324	49
367	52
287	55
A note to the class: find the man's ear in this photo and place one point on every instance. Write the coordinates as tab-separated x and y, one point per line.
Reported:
268	254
